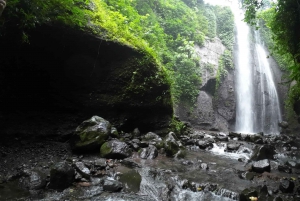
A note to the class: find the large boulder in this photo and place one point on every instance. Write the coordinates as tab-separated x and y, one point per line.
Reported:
264	152
61	176
91	134
170	144
115	149
112	185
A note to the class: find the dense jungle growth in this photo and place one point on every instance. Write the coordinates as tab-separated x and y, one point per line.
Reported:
279	24
164	29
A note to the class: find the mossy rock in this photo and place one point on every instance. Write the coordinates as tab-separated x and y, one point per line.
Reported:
115	149
171	145
91	134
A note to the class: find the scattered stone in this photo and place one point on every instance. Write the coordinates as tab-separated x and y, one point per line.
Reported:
234	135
82	169
170	144
233	146
261	166
152	136
203	144
112	185
90	134
204	166
101	163
283	124
149	152
264	152
136	132
114	132
286	186
61	176
144	144
284	168
187	162
247	193
129	163
33	180
115	149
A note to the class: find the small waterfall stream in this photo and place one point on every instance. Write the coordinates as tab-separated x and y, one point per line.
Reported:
258	107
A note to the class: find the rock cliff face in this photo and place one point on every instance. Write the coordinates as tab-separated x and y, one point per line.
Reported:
215	106
65	76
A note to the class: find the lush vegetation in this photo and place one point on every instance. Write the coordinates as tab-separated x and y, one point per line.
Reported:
165	29
281	31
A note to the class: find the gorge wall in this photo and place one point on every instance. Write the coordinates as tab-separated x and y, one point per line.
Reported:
65	76
215	106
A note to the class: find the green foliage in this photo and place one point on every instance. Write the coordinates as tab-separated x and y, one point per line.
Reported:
225	26
280	39
165	30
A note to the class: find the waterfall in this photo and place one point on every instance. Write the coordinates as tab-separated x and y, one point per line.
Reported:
268	101
244	76
258	108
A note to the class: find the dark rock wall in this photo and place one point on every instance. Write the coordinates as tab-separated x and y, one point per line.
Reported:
215	106
65	76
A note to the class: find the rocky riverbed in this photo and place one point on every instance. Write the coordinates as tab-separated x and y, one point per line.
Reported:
200	165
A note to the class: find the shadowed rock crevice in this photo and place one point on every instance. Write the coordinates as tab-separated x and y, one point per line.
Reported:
69	75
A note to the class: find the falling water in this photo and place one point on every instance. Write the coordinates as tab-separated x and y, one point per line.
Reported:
244	76
258	108
269	114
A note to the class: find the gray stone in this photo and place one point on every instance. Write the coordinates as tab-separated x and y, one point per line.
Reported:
233	146
101	163
264	152
136	132
152	136
91	134
115	149
283	124
261	166
82	169
149	153
61	176
112	185
203	144
170	144
114	132
204	166
248	192
33	180
286	186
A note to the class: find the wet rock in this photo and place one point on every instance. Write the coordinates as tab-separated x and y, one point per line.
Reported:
152	136
91	134
286	186
293	164
222	137
82	169
112	185
187	162
264	152
283	124
33	180
130	163
136	132
204	166
284	168
233	146
261	166
247	193
170	144
203	144
100	163
114	132
115	149
234	135
149	152
61	176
